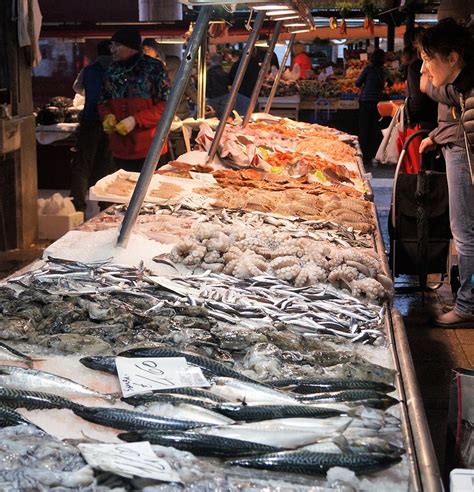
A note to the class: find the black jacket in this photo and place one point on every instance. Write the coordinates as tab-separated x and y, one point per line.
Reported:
250	76
217	82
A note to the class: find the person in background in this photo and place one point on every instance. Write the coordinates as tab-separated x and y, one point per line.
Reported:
248	82
372	80
93	159
153	49
301	67
448	77
217	85
190	93
133	99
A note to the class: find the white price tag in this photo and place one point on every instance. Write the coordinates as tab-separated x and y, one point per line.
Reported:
206	178
129	460
141	375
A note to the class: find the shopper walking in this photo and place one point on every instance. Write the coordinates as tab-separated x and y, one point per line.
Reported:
301	67
217	85
93	159
448	77
133	98
372	80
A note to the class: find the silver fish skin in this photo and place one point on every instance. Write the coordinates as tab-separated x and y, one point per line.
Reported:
200	444
193	392
9	418
32	400
323	385
350	396
307	462
130	420
255	413
32	380
206	364
14	354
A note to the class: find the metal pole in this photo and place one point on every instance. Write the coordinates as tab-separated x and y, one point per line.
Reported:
244	61
279	74
164	125
202	74
263	71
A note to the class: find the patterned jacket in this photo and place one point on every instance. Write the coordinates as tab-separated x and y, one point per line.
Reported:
138	87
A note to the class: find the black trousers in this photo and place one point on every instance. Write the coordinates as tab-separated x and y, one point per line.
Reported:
369	131
92	161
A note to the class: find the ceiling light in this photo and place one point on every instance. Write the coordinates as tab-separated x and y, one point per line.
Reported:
285	17
271	6
295	31
281	12
296	24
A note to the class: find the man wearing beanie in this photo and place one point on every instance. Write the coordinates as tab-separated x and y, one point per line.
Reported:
133	98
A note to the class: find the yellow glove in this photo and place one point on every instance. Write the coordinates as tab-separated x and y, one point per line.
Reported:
109	123
125	126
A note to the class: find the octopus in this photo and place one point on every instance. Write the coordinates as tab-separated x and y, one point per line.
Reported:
247	265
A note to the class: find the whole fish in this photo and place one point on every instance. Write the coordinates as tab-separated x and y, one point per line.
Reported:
31	400
324	385
307	462
9	418
32	380
105	363
9	353
185	411
119	418
194	393
263	412
199	444
209	366
144	399
250	393
369	398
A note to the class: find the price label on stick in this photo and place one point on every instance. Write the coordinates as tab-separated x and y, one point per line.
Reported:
129	460
141	375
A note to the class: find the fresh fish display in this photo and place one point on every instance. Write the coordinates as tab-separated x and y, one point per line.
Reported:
31	380
324	385
307	462
199	444
7	353
370	398
147	398
194	393
130	420
263	412
9	417
100	363
31	400
361	445
209	366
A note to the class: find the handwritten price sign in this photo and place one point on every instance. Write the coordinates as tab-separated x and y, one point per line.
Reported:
141	375
129	460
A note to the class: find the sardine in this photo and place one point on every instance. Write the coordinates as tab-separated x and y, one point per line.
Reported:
31	400
318	385
31	380
307	462
119	418
209	366
199	444
263	412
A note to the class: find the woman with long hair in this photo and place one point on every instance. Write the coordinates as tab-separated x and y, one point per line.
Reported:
448	78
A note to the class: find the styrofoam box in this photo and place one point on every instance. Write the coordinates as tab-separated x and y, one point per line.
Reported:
461	480
55	226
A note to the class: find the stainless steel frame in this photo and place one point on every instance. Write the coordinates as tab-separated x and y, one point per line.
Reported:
244	61
263	71
164	125
202	77
268	106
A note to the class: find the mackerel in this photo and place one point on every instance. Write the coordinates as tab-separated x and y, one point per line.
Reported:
200	444
207	365
193	392
9	418
32	400
329	384
13	354
119	418
105	363
31	380
263	412
307	462
143	399
370	398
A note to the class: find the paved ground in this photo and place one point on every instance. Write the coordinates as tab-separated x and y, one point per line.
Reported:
435	351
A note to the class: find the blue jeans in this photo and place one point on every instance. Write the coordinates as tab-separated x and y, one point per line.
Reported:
461	216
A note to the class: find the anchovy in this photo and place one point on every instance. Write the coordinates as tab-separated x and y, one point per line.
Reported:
103	363
265	412
369	398
9	417
31	380
327	384
307	462
119	418
200	444
31	400
209	366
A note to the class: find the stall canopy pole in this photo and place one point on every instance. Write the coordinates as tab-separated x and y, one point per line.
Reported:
244	61
263	72
202	75
164	125
279	74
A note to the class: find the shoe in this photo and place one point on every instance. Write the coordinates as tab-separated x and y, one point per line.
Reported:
447	308
453	319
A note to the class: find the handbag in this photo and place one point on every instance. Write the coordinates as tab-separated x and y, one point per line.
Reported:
388	151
